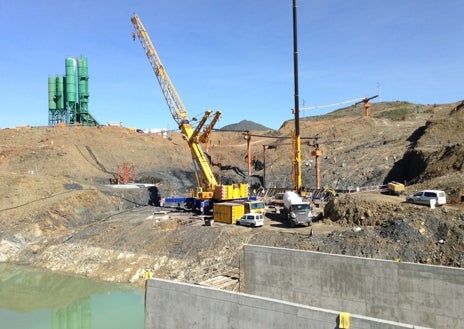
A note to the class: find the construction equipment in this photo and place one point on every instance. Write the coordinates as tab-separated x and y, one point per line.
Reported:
229	212
317	153
395	188
204	137
323	195
295	210
367	105
296	156
296	138
247	135
268	147
126	173
207	186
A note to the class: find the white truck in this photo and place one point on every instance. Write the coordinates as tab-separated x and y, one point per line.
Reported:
295	210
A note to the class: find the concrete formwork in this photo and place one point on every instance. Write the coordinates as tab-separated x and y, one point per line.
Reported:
404	292
180	305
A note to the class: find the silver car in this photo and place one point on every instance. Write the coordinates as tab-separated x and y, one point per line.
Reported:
426	197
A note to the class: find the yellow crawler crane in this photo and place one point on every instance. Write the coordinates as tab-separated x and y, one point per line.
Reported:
207	186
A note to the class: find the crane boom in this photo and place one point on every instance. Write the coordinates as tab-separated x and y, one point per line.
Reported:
205	178
177	108
204	137
207	186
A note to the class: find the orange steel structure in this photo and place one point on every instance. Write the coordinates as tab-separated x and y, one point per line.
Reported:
367	105
126	173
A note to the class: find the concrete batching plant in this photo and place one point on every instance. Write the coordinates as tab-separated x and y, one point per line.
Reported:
68	96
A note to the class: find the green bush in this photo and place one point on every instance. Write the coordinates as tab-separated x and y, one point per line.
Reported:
399	114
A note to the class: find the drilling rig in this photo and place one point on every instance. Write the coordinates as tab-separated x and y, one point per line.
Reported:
208	190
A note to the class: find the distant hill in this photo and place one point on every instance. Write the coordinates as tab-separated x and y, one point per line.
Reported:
245	125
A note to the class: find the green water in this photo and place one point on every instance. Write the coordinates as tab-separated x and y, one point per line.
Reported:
36	299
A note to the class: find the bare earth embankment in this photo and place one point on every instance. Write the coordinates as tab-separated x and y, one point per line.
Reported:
58	210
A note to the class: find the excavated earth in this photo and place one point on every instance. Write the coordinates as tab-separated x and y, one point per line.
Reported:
59	211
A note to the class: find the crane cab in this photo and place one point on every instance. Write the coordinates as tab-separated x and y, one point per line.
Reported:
254	207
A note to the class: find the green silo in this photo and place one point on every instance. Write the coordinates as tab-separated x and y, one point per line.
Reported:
68	95
51	94
59	96
71	87
83	78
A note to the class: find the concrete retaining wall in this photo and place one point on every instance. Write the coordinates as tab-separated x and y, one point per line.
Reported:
178	305
410	293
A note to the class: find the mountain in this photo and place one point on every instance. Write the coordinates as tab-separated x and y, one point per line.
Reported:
245	125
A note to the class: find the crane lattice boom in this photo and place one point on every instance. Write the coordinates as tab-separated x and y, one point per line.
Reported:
207	186
204	175
175	104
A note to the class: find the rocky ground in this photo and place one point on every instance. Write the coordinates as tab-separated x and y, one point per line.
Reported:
58	210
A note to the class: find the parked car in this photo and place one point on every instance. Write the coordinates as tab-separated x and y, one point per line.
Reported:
251	219
424	197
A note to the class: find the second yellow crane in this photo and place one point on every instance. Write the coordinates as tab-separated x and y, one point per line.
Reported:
207	186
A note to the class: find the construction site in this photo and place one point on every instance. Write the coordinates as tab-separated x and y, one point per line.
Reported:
121	205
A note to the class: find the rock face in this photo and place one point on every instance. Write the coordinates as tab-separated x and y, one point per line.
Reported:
58	210
393	230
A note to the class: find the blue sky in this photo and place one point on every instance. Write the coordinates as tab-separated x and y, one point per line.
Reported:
234	56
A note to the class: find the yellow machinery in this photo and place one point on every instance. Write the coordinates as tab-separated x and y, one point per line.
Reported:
254	207
229	212
395	188
317	153
296	163
207	186
204	137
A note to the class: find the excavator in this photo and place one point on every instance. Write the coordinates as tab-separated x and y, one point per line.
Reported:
208	190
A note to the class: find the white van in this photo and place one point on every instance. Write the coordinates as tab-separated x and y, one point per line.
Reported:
251	219
424	197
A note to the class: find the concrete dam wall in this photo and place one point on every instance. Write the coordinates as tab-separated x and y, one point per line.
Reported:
176	305
418	294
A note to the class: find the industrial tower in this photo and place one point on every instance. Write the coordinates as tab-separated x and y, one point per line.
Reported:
68	96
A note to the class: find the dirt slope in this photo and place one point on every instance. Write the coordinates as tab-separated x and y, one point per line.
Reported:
58	211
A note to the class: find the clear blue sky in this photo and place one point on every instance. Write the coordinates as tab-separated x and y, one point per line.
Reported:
234	56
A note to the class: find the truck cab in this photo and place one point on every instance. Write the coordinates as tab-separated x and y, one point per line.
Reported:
296	210
254	207
297	214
